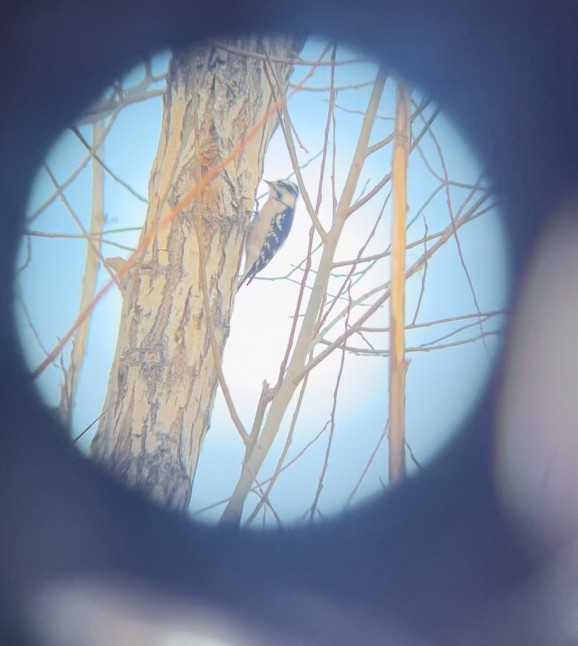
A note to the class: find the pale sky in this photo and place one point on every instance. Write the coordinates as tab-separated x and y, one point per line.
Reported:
442	385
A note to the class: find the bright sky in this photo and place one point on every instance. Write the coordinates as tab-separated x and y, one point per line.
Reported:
442	384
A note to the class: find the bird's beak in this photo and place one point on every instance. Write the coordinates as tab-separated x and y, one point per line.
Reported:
268	182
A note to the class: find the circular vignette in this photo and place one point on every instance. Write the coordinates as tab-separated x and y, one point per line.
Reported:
340	112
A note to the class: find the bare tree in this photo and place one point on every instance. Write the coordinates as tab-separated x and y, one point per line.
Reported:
221	107
180	292
291	376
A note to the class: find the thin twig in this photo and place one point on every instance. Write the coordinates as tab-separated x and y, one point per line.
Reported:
91	425
87	236
364	352
284	452
315	504
378	303
455	231
28	318
367	465
107	168
449	319
287	129
442	238
32	216
423	277
171	214
77	236
338	88
288	61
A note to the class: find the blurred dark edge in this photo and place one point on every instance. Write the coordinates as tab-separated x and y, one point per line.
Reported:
436	553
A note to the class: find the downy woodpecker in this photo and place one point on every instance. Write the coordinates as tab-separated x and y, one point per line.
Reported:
269	228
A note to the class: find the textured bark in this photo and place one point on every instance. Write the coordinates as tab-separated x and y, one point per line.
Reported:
163	380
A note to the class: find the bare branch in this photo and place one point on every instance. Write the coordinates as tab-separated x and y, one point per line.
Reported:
352	270
446	235
28	318
365	352
171	214
450	319
288	61
86	235
279	467
88	286
338	88
287	129
85	431
34	215
126	96
107	168
315	504
264	399
423	277
78	236
367	465
455	231
441	237
234	509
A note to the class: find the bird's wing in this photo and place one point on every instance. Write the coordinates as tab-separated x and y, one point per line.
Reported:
280	228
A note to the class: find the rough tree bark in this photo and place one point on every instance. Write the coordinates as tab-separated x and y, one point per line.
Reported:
164	376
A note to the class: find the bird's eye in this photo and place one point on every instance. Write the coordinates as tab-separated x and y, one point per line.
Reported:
347	362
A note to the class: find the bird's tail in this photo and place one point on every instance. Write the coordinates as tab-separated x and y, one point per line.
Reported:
246	278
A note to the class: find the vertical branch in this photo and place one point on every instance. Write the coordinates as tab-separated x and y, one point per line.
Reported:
89	277
234	510
397	363
315	505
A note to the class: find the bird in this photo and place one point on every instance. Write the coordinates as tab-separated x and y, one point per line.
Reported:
269	228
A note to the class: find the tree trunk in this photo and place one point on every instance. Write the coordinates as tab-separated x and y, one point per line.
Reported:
164	376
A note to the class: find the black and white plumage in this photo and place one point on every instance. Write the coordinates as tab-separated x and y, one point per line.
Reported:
269	228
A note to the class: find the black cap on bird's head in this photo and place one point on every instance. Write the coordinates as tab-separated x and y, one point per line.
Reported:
283	187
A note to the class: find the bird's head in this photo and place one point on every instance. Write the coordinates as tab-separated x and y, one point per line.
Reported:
283	191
